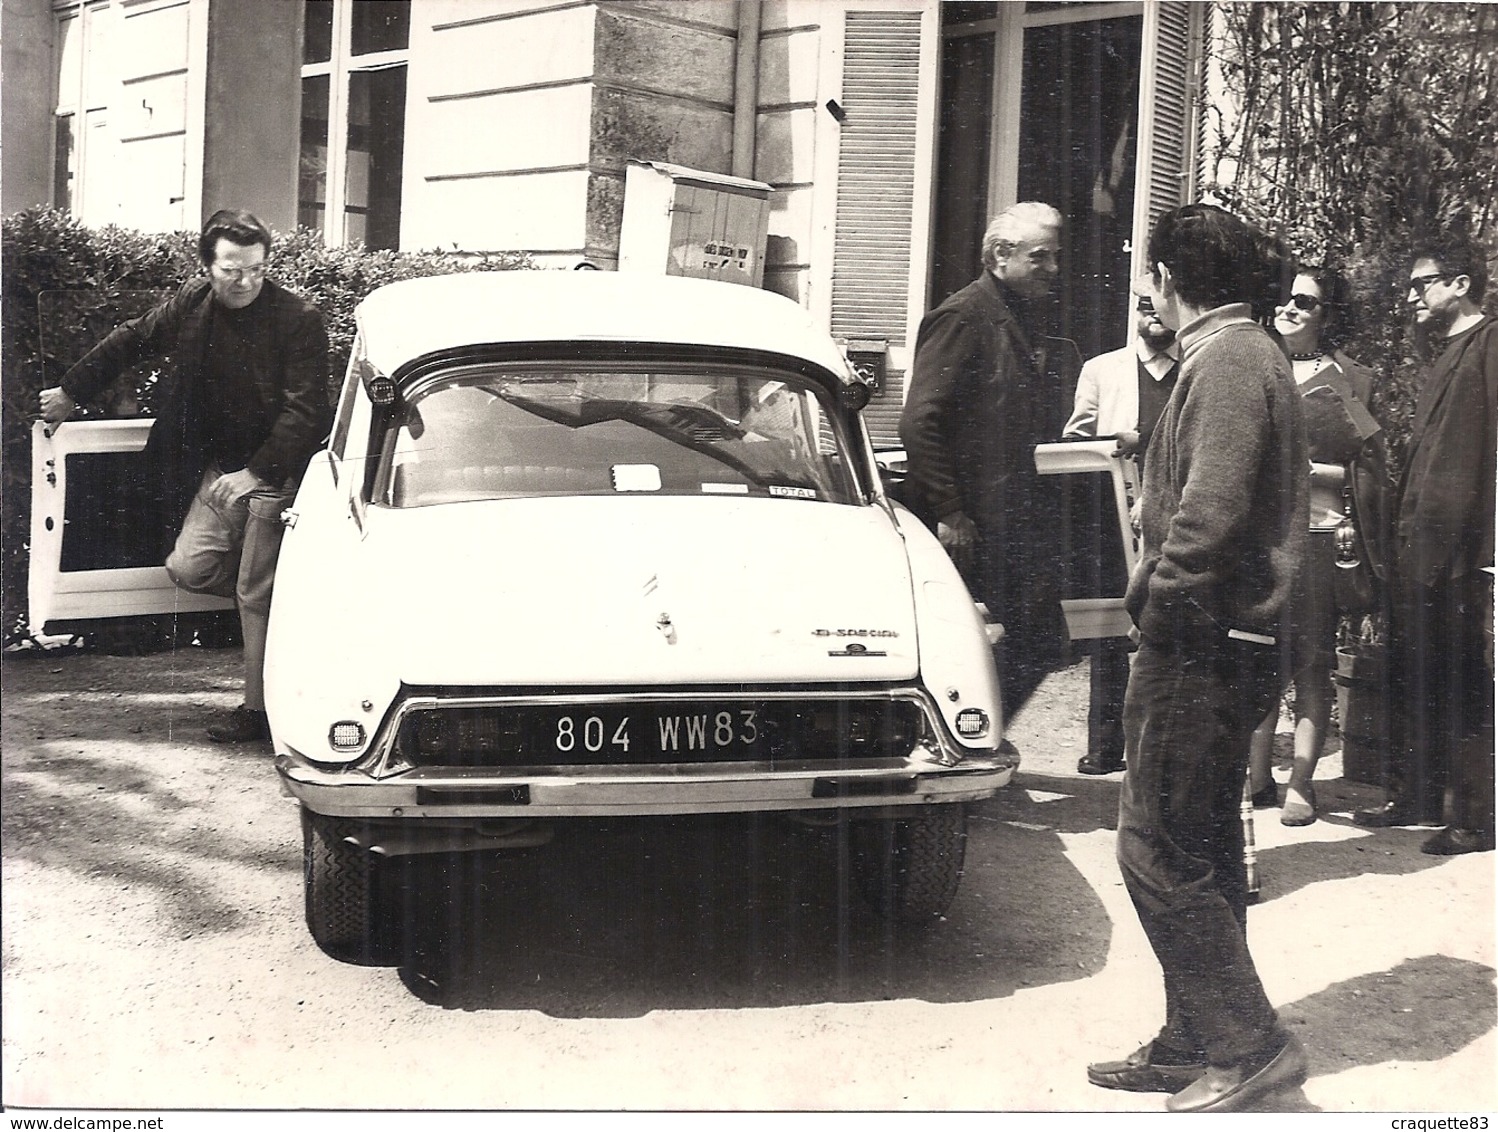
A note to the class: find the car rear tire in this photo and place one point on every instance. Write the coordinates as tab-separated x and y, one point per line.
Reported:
909	868
349	911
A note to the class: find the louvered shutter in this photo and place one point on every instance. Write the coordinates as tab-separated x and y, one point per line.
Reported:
876	193
1170	118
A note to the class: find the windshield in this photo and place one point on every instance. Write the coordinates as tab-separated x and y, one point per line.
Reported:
502	432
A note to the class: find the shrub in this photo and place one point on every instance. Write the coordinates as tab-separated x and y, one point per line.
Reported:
1352	130
42	250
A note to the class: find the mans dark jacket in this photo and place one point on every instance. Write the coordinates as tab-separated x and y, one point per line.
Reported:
289	375
984	391
1444	525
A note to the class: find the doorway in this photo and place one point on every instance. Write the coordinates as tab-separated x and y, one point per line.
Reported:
1042	104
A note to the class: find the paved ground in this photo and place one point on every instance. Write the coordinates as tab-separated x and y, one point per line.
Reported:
155	956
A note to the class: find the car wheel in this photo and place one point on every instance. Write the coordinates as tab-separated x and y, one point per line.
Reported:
908	868
349	911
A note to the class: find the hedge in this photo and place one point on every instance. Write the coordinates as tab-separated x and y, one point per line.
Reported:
120	271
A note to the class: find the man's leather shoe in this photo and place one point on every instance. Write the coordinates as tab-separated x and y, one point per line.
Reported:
1233	1088
1390	814
1140	1072
1097	764
1266	797
1453	841
242	725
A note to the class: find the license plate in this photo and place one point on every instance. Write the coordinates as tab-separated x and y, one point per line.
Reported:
626	734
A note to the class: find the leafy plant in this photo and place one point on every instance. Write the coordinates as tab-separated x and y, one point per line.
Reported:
1352	130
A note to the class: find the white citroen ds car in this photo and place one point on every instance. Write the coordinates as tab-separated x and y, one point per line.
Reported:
590	543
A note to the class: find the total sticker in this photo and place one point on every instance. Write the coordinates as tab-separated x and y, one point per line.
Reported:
793	492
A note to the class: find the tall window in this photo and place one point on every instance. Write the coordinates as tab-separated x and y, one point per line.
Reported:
81	114
354	119
1041	102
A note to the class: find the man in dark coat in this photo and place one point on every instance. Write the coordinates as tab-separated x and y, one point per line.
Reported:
1441	623
985	388
242	407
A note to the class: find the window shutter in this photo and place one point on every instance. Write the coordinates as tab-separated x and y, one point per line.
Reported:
1170	118
876	193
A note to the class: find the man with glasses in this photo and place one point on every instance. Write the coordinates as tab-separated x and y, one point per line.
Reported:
1441	626
240	409
1120	394
985	388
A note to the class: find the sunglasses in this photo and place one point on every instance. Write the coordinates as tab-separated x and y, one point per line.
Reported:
1418	283
1145	306
1306	303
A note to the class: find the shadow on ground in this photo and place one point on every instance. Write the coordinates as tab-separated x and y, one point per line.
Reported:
1285	869
619	918
113	783
1425	1009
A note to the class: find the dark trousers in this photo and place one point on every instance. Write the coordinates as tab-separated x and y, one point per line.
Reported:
1189	713
1105	701
1021	588
1441	696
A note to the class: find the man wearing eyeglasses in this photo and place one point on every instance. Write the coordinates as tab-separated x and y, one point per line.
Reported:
1120	394
986	387
240	409
1441	627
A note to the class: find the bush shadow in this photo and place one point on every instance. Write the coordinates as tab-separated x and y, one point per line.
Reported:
87	785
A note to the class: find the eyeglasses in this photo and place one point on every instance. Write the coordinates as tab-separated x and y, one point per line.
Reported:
240	274
1145	306
1306	303
1418	283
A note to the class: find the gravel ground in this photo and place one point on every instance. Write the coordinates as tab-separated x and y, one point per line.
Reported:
154	954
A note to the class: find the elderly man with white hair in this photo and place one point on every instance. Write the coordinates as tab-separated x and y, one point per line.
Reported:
986	386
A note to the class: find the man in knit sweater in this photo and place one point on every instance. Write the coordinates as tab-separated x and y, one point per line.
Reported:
1223	523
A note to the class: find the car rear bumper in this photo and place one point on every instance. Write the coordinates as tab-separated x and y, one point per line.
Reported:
678	788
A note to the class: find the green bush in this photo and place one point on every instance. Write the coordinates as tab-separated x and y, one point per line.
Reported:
43	250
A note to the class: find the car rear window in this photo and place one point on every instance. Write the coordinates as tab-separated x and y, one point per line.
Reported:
502	432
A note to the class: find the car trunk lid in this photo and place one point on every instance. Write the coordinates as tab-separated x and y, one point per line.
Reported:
582	591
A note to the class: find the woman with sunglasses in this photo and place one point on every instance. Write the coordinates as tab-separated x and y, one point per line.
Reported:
1312	325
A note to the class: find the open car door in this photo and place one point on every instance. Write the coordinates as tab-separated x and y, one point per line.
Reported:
94	555
1105	547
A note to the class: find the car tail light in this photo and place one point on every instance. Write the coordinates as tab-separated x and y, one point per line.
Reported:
381	389
972	723
346	735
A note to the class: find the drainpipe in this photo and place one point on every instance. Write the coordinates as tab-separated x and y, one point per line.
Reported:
746	89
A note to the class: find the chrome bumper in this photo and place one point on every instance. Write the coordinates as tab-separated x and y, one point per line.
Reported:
678	788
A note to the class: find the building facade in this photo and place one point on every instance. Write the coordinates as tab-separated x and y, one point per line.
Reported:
887	131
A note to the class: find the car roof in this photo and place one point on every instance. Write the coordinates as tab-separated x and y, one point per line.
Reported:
417	317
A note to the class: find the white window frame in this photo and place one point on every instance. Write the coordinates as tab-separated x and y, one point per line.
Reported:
87	102
341	65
